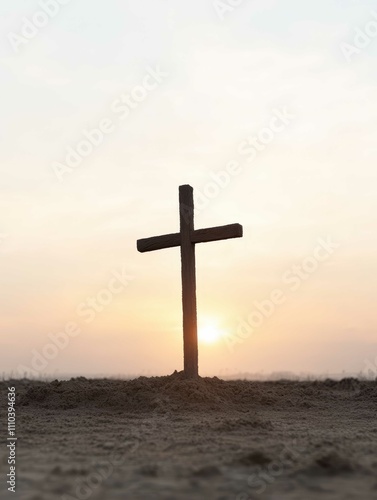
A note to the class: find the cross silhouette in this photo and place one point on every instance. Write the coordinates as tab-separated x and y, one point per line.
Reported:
186	239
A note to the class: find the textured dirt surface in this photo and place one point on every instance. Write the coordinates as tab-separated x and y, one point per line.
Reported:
171	438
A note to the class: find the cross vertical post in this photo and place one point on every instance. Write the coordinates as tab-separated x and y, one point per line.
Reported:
190	329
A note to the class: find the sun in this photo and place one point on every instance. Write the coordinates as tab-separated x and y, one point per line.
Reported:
209	332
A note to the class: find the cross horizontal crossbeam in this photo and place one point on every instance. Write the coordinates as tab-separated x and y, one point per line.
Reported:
197	236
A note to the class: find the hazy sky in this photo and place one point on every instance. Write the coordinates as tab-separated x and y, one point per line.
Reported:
268	109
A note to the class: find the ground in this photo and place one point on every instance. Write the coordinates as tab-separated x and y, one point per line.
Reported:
171	438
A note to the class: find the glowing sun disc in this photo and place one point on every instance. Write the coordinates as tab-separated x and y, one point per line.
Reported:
209	333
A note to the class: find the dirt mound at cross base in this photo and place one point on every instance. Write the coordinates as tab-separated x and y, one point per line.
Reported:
175	393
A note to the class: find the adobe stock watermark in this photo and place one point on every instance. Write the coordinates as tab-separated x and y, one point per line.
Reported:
88	310
370	369
292	280
31	26
362	38
225	7
249	150
121	107
259	481
86	486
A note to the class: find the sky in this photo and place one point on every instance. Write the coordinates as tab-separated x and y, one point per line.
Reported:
267	108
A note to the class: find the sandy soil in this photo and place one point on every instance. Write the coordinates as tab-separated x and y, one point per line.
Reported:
169	438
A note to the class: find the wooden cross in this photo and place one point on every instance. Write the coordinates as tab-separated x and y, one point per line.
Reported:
186	239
